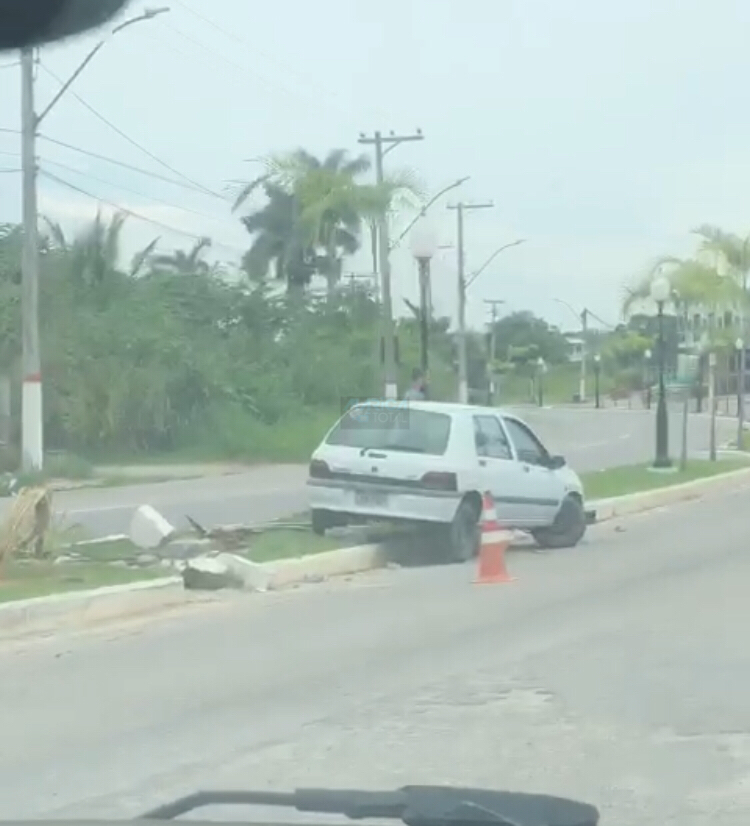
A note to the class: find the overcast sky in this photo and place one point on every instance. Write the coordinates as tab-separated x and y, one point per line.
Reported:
602	131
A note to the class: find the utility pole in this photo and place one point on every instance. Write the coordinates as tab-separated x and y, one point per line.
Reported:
584	338
494	304
32	416
32	446
384	144
463	378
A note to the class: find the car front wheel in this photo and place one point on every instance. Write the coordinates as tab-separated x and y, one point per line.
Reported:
568	528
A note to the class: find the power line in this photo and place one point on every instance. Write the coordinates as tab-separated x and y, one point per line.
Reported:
131	190
137	215
155	175
123	135
272	85
254	48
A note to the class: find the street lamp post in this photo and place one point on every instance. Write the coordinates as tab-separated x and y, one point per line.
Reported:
32	420
647	377
740	347
541	368
423	248
597	371
660	291
710	357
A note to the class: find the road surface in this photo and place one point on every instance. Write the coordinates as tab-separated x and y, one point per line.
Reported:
616	673
589	439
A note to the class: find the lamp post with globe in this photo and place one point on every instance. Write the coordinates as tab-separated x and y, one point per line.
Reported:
660	292
423	248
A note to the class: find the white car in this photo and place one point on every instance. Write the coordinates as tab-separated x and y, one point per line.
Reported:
430	462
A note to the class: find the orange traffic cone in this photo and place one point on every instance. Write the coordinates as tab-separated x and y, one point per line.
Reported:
494	543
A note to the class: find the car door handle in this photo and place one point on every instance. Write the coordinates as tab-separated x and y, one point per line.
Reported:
482	463
526	469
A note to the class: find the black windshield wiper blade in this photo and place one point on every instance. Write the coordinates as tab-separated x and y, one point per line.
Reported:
412	805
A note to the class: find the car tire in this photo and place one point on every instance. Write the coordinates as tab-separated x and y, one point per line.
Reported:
463	534
568	528
321	521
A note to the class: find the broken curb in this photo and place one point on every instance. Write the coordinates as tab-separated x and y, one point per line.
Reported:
77	608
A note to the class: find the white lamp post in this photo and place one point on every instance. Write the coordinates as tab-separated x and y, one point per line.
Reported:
660	292
424	245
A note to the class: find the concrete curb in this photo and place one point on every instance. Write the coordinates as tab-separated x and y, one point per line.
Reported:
57	612
670	495
80	608
75	609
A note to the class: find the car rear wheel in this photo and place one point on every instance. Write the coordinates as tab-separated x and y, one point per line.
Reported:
462	535
568	528
321	521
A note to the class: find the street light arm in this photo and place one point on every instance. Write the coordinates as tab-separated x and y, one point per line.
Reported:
570	307
147	15
424	209
494	255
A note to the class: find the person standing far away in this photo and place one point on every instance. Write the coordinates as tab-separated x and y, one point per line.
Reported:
418	389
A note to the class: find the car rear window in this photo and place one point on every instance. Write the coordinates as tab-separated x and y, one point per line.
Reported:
386	428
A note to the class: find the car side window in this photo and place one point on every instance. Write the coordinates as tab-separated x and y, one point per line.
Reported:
528	447
490	439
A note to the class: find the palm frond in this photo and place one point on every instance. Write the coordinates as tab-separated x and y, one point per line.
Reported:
247	190
140	258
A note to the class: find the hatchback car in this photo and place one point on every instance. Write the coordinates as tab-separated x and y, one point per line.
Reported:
429	463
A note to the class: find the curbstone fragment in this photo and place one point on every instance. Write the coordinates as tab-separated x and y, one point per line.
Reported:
148	528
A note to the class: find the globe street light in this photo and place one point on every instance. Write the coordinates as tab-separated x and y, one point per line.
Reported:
423	247
660	291
597	371
541	368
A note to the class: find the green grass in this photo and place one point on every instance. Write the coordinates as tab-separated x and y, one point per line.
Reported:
23	580
619	481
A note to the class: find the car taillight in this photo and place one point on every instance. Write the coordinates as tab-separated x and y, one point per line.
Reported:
435	480
319	469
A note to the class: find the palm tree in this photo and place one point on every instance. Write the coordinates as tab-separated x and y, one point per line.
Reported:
277	241
326	204
184	263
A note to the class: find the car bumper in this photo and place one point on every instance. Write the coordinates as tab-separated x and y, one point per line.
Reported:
382	501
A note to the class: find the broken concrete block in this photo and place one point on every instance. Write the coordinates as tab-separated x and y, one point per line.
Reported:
148	528
207	573
253	576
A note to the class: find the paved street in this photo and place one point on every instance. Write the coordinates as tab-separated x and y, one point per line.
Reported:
590	439
616	672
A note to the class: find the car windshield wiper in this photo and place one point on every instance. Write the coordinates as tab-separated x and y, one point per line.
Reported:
412	805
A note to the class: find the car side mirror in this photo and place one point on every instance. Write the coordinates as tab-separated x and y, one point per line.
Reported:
556	462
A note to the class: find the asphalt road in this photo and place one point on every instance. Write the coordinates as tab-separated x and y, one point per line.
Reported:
590	440
616	673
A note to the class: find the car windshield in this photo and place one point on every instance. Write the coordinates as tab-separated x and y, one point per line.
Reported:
385	428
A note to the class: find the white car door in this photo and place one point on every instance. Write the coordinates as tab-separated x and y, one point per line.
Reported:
498	469
540	488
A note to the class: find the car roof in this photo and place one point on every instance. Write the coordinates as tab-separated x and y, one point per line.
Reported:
453	408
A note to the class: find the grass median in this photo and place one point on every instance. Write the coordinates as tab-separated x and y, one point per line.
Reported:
620	481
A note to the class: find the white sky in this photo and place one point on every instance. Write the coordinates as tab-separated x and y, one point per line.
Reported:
603	132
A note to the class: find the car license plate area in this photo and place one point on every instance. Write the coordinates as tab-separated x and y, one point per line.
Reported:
370	499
